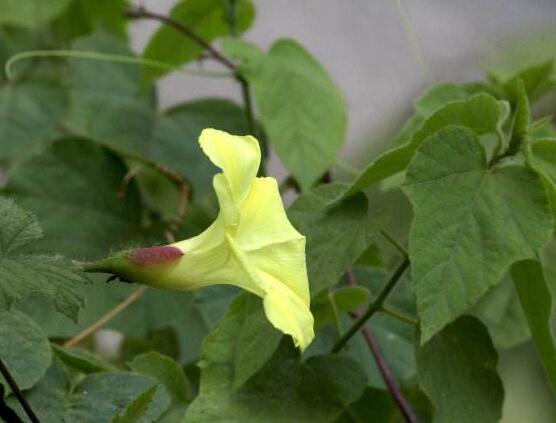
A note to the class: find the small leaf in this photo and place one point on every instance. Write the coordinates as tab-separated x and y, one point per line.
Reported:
24	349
53	278
206	18
538	79
82	360
302	110
336	236
481	113
99	397
166	371
522	116
345	299
457	371
138	408
541	157
471	223
244	339
536	300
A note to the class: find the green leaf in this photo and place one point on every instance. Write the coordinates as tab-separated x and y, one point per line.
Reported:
29	114
541	157
96	398
244	339
30	13
21	276
501	312
85	16
74	187
24	349
302	110
113	110
438	96
457	371
101	396
167	372
49	398
206	18
522	116
82	360
318	389
336	236
536	300
481	113
138	408
537	79
471	223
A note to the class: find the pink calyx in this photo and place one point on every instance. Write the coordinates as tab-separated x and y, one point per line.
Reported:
153	256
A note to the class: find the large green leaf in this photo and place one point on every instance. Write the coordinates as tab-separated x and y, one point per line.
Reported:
336	236
316	390
112	109
74	187
302	110
481	113
53	278
471	223
536	300
30	13
24	349
206	18
138	408
29	114
457	371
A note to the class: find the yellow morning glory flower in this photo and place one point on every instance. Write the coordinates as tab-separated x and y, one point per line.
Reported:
251	244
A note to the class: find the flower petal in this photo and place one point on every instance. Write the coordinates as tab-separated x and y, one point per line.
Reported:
239	158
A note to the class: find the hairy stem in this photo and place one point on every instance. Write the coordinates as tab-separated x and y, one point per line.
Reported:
18	394
373	308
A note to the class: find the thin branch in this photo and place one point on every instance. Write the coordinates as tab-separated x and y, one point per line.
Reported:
397	245
380	361
18	394
84	334
373	308
141	13
385	372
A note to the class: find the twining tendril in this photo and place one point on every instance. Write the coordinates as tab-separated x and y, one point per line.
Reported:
105	57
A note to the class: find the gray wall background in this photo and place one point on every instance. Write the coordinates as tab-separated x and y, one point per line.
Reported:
382	53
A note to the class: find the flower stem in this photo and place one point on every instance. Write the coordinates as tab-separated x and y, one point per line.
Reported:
373	308
397	245
84	334
18	394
